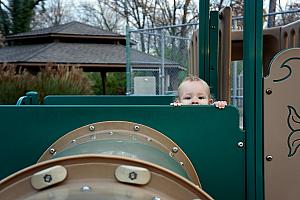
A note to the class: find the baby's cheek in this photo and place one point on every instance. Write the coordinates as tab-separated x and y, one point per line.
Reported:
186	102
204	102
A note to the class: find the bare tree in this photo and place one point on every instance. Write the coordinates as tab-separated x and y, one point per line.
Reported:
55	12
101	15
288	18
237	11
272	9
219	4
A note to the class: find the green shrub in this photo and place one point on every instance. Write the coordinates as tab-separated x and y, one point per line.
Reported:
115	83
62	79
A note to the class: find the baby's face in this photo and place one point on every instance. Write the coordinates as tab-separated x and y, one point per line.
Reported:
194	93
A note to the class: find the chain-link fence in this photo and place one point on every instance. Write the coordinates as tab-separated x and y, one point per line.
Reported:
157	59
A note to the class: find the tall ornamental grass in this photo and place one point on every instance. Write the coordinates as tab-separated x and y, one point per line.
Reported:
50	80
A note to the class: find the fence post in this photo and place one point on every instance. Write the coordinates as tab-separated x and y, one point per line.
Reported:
234	83
128	66
162	67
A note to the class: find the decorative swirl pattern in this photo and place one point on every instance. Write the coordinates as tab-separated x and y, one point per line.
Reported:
293	121
285	65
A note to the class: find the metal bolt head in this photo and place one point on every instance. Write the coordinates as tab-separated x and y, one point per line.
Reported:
73	141
92	128
47	178
155	198
269	158
85	188
52	151
136	128
132	175
240	144
175	149
268	91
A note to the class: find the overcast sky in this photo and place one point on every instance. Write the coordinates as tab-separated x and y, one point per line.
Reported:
266	2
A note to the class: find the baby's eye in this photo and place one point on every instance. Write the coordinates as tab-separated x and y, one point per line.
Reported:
187	98
201	98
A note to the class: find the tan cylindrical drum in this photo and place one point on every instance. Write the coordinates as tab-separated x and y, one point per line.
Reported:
108	160
98	177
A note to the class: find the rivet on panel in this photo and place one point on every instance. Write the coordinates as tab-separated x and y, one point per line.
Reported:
240	144
268	91
269	158
136	128
175	149
92	128
52	151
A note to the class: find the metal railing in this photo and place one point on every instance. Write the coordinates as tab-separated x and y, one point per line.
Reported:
160	56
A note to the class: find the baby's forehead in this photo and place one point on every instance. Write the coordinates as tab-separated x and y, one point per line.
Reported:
197	82
187	86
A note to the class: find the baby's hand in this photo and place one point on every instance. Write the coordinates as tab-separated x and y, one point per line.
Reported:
220	104
176	104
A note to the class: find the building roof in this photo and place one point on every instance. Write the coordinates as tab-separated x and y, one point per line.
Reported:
72	28
77	44
84	54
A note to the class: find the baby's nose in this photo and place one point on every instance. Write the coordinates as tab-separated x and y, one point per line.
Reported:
195	102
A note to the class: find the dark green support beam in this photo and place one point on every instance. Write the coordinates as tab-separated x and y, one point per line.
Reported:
253	77
213	52
203	40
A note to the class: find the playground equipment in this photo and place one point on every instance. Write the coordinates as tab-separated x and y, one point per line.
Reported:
90	146
37	127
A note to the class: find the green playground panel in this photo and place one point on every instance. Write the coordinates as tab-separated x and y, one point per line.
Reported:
209	136
108	100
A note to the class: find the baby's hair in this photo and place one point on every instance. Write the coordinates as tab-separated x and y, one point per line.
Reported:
191	78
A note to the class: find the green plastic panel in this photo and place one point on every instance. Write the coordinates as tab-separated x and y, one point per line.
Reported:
209	136
108	100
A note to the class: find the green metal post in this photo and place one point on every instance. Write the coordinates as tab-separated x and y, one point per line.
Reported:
128	65
213	52
203	40
253	98
34	97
